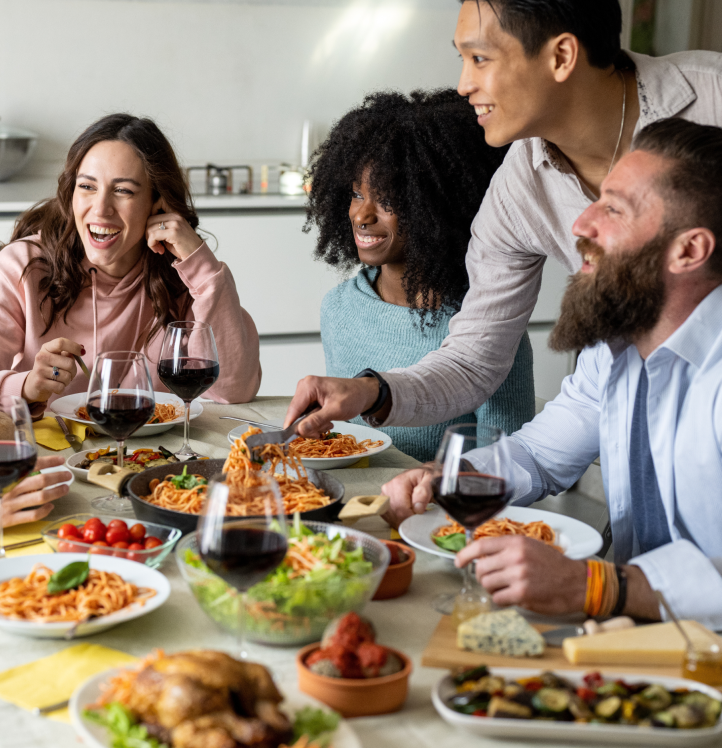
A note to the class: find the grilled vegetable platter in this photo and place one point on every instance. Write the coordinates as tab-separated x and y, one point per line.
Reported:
621	709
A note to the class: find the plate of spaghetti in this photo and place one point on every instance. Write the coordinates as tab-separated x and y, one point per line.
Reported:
343	446
435	533
115	591
169	412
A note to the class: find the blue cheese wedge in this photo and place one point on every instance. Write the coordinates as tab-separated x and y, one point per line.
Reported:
503	632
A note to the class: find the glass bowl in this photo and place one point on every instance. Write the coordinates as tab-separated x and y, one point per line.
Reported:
152	557
296	613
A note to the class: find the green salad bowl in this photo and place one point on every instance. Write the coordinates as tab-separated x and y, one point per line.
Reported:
297	611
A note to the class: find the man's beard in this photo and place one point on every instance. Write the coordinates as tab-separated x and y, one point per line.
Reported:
622	298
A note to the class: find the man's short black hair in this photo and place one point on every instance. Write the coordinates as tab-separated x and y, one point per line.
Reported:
692	187
596	23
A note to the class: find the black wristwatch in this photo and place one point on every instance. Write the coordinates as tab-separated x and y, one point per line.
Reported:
384	390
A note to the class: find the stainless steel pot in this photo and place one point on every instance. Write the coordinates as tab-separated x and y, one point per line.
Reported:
16	148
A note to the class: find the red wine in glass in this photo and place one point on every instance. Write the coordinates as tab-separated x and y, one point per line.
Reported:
188	377
17	459
245	555
477	498
188	366
121	415
18	452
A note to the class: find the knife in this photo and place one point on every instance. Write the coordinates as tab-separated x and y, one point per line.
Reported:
73	440
279	437
555	637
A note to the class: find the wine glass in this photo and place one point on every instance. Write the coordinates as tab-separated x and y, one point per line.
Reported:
188	366
18	452
120	400
471	480
242	550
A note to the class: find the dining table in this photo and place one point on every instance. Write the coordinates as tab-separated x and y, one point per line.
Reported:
406	623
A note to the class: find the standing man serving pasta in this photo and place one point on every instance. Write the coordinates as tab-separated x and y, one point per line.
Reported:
549	76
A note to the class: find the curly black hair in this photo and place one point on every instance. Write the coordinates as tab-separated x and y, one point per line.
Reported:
429	163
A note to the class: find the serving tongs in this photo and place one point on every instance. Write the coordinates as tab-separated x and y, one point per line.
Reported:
256	442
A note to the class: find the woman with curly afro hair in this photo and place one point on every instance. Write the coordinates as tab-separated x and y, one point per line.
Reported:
395	187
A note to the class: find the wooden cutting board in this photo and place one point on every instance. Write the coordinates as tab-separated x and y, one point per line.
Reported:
442	652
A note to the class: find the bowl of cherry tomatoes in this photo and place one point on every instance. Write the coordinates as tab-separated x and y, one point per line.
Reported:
144	542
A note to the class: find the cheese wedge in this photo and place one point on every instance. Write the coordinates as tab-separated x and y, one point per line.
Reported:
658	644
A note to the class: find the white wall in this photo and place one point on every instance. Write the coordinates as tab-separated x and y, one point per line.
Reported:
227	81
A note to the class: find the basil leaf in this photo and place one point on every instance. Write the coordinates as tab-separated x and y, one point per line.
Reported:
69	577
452	543
185	481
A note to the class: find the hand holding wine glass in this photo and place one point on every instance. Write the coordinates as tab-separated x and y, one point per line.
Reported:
18	452
188	366
243	550
471	480
120	400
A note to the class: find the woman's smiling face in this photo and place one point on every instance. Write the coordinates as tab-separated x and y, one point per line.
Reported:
112	202
375	227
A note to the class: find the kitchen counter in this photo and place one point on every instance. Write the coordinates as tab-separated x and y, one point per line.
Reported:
17	195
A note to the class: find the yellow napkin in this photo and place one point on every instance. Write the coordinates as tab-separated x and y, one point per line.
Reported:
28	531
50	435
362	463
53	679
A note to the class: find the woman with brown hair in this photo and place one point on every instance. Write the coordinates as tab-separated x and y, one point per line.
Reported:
108	263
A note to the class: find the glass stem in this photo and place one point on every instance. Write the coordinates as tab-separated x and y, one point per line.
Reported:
242	654
121	452
186	429
469	582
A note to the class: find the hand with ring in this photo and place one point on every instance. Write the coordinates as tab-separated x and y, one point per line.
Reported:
170	231
53	370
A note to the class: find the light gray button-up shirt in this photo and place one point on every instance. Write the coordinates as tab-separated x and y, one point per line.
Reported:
527	216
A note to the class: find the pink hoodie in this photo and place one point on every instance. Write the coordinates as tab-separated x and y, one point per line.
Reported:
112	314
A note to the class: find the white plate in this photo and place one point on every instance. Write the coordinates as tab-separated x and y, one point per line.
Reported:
534	730
132	571
577	539
68	405
96	736
328	463
75	459
60	469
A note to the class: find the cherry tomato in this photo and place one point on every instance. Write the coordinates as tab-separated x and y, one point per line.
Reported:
69	531
117	523
65	547
131	556
137	532
93	521
99	547
94	533
152	542
117	535
120	544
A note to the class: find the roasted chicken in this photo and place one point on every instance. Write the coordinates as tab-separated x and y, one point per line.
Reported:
206	699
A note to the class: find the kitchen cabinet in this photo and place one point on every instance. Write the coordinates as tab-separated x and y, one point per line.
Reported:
278	281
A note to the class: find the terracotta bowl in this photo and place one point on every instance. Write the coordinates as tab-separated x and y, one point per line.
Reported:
397	579
355	697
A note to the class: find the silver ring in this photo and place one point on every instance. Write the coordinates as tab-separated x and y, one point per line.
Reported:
56	372
162	226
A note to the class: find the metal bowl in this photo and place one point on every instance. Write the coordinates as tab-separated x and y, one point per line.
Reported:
138	486
16	148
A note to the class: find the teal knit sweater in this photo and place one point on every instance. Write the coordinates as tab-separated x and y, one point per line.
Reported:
361	331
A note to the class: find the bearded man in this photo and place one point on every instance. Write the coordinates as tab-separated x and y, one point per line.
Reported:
646	397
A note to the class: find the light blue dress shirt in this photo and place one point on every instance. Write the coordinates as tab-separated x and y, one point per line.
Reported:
592	417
